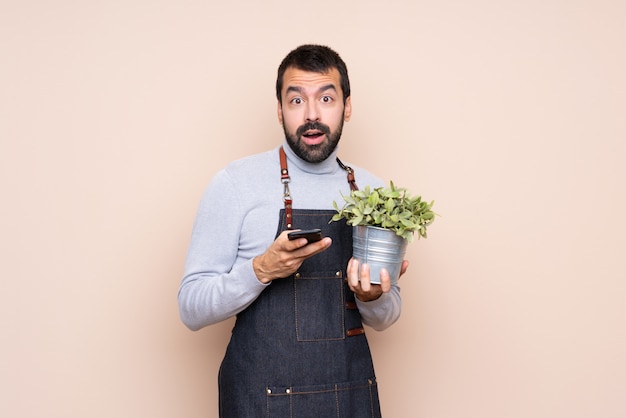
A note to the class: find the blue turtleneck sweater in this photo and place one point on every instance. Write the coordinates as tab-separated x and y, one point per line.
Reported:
238	220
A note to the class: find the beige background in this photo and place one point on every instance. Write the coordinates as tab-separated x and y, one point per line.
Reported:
114	115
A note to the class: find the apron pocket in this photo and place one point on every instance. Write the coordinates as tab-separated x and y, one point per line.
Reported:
319	306
350	399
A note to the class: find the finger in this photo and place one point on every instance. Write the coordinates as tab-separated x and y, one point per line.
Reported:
385	280
290	245
353	274
313	248
301	243
364	281
404	267
285	244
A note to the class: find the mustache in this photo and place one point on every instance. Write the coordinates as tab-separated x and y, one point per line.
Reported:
318	126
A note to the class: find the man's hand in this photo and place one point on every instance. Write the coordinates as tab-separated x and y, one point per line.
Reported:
363	289
284	257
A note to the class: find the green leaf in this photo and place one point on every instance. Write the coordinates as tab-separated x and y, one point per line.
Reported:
389	207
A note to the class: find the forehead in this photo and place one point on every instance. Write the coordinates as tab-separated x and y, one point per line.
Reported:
294	77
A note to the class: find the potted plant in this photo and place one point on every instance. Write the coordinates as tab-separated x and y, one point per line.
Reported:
384	221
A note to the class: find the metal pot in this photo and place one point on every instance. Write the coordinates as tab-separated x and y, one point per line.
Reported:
379	248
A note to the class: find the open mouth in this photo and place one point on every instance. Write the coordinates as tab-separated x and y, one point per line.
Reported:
313	134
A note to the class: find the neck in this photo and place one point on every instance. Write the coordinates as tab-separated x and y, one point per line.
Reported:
329	165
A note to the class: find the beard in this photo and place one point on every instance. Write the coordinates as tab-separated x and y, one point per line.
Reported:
314	153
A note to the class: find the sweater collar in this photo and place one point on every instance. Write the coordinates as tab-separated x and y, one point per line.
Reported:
327	166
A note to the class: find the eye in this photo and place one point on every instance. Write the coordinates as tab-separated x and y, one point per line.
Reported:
296	100
326	99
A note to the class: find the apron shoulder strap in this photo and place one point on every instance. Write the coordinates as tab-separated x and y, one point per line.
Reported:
350	171
284	177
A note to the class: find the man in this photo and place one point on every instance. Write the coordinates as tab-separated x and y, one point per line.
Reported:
298	347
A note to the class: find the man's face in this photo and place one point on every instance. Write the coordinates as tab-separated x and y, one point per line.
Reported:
313	112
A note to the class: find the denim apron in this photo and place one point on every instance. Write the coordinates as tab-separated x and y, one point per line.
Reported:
299	350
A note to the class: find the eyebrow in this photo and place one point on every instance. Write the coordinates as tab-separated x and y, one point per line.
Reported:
320	90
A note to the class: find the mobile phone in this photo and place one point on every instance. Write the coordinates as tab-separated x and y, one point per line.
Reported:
311	235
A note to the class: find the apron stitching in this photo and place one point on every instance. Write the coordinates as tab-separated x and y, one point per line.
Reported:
295	308
343	311
342	302
371	401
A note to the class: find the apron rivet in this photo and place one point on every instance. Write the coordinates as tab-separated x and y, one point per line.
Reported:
288	391
269	391
297	275
338	274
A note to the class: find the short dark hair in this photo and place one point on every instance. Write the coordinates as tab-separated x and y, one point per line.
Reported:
317	59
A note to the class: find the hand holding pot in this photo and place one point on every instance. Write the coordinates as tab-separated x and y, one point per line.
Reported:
362	287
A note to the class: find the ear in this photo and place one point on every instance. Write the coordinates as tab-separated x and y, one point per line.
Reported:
347	109
280	112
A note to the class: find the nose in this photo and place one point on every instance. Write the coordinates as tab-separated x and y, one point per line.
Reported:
312	112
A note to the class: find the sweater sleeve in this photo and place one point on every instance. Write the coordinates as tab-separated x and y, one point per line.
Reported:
383	312
216	284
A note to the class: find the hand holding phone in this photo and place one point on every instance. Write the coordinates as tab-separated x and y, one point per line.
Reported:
311	235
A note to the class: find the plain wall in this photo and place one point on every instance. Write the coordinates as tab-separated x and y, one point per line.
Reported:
114	115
